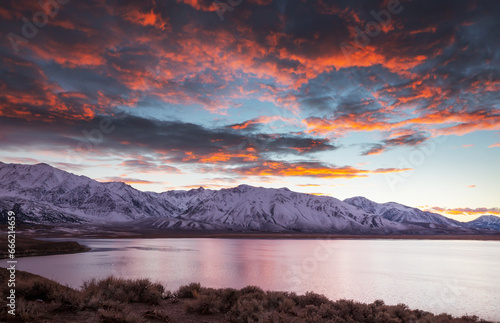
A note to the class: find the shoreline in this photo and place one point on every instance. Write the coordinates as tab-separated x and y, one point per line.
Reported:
292	236
127	231
120	231
29	247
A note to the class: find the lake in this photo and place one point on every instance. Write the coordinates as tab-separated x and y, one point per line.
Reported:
454	276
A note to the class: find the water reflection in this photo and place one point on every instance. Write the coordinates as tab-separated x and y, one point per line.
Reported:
459	277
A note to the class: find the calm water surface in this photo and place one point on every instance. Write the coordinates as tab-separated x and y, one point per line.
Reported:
458	277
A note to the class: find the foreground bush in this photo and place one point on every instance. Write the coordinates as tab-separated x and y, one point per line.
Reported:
122	291
125	300
252	304
188	291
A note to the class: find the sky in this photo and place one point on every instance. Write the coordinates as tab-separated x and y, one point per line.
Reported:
391	100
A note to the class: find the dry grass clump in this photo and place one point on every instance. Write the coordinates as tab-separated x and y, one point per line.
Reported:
252	304
39	299
28	311
188	291
121	290
42	289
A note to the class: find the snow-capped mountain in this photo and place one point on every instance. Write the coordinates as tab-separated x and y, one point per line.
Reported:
43	194
400	213
266	209
41	189
77	196
186	199
485	222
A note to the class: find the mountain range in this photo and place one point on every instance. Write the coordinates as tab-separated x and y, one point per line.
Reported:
43	194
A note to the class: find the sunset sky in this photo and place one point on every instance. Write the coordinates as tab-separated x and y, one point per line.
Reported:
394	101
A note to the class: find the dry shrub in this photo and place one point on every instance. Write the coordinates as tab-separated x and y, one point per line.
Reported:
96	302
108	298
280	317
470	318
275	299
204	304
228	297
311	298
188	291
327	311
36	288
247	309
167	295
27	311
122	290
251	290
287	306
209	300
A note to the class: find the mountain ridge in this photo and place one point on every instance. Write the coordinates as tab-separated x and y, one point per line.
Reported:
401	213
45	194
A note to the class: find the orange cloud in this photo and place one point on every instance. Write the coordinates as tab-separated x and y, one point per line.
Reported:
260	120
429	29
309	169
127	180
219	56
494	145
198	5
146	19
221	156
344	124
42	94
466	211
453	122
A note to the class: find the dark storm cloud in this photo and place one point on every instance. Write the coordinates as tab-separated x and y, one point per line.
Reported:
172	141
147	165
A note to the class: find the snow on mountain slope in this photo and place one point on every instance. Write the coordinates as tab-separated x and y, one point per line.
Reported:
400	213
35	212
79	195
485	222
258	208
186	199
48	195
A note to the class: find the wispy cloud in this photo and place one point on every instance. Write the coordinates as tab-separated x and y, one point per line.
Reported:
465	211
